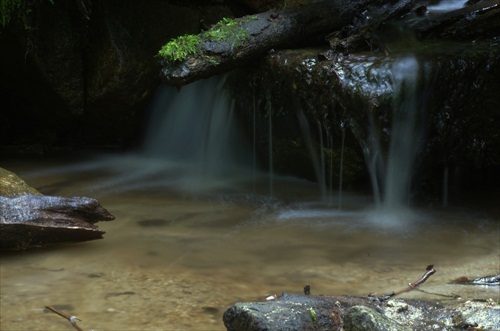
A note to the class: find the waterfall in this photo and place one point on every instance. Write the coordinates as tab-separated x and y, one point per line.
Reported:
270	144
447	5
404	133
195	129
341	166
390	169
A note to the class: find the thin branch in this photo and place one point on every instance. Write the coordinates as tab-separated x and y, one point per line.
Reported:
411	286
72	319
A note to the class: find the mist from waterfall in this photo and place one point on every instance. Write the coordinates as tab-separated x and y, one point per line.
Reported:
192	144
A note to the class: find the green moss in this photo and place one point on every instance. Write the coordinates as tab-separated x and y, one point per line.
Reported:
226	30
211	60
180	48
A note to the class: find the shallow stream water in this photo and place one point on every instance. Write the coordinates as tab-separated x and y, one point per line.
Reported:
178	254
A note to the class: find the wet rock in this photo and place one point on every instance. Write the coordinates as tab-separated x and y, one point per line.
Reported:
331	95
484	314
305	312
486	280
11	184
289	312
361	318
38	220
30	219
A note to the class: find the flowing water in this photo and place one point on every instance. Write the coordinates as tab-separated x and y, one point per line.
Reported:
196	231
447	5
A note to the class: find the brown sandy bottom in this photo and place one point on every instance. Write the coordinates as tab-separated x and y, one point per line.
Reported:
173	261
119	297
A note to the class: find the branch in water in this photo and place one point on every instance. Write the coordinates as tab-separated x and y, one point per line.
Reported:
411	286
71	319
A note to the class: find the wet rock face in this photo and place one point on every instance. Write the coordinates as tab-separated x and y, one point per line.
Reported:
86	76
456	99
360	318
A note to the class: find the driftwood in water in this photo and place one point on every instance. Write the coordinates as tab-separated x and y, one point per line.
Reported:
481	20
37	220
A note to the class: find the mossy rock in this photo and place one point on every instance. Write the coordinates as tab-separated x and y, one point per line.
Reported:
11	184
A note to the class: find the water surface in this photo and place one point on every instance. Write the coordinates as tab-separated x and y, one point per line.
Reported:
177	256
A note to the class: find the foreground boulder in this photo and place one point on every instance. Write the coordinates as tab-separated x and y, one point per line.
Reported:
348	313
30	219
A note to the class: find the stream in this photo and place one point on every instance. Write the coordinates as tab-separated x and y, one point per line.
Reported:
177	258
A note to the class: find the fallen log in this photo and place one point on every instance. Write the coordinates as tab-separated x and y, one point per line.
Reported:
231	43
347	26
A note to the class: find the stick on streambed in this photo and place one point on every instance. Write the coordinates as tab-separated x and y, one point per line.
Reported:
72	319
411	286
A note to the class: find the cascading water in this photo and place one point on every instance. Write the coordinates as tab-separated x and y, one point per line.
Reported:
192	144
394	172
194	129
404	134
447	5
390	168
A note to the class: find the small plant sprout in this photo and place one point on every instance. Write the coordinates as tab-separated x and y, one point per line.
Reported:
312	313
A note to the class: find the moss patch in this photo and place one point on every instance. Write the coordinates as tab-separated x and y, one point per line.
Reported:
226	30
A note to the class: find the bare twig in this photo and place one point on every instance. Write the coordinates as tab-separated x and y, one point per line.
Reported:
72	319
411	286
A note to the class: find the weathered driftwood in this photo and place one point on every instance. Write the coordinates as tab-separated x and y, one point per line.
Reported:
266	31
30	219
37	220
335	313
481	20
